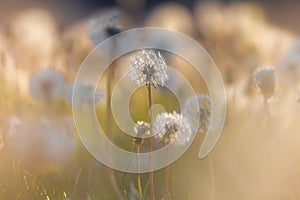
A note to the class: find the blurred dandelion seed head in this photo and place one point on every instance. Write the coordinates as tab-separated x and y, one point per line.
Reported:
148	68
163	16
197	110
288	68
172	128
40	139
104	26
266	80
84	96
47	84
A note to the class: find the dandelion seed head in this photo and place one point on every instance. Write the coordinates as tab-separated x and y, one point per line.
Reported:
197	110
84	96
288	68
172	128
41	139
104	26
47	84
141	129
266	81
148	68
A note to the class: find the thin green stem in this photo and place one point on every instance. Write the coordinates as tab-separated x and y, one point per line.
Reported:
139	175
109	80
167	175
151	179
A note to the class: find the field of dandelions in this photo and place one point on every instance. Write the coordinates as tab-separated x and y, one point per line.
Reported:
256	157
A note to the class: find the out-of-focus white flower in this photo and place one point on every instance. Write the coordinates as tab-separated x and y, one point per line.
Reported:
9	129
35	35
40	140
239	27
86	94
172	128
11	124
105	25
47	84
288	68
163	16
209	16
148	68
266	80
197	110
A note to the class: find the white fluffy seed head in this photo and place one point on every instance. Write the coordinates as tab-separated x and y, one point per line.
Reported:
47	84
148	68
266	80
104	26
197	110
141	130
84	96
172	128
288	67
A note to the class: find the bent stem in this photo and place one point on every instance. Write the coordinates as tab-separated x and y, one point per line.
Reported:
151	182
139	175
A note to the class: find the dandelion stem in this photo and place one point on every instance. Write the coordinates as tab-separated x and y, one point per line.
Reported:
139	175
110	76
151	182
167	175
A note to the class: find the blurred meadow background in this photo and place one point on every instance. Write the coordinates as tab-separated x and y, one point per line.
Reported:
256	46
